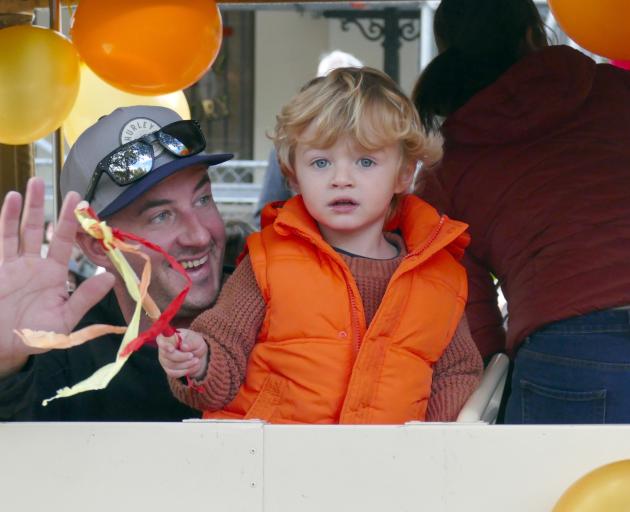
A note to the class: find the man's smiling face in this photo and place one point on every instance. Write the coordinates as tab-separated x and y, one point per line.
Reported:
180	216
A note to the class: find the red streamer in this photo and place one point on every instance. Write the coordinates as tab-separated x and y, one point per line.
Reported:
162	324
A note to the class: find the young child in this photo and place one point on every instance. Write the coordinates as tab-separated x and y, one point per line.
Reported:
348	306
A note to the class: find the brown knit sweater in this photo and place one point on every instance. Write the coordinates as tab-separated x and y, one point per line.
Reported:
231	327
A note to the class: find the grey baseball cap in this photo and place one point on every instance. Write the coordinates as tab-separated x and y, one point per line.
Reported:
112	131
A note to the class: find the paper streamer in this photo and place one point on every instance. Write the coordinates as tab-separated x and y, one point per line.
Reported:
114	245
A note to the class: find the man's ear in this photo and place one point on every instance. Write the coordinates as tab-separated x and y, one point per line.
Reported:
93	249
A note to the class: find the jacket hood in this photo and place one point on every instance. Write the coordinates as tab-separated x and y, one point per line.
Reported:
534	95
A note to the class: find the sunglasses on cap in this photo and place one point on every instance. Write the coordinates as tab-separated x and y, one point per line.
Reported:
134	160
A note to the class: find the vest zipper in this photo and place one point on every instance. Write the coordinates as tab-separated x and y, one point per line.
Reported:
431	238
356	331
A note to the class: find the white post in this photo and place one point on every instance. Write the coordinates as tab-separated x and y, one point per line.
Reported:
427	52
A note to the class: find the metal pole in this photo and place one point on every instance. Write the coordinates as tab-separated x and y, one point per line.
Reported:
54	8
391	43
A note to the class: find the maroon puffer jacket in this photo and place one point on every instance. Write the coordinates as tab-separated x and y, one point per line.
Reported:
538	164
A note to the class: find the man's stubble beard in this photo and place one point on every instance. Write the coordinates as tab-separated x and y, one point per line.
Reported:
169	286
200	298
194	308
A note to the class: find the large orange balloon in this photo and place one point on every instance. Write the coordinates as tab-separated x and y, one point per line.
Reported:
600	26
39	81
97	98
606	489
148	46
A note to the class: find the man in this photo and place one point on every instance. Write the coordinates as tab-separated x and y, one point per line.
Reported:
156	187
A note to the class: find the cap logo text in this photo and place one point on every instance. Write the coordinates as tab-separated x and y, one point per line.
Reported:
137	128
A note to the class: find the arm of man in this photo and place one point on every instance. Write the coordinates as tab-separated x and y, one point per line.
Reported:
33	293
230	328
455	376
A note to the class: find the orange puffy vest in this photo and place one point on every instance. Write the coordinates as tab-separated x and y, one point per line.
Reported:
315	360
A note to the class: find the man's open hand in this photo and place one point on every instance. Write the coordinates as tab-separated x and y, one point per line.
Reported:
33	290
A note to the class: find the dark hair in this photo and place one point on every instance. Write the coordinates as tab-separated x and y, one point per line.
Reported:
478	40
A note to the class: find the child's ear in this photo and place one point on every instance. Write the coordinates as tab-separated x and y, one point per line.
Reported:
405	177
293	184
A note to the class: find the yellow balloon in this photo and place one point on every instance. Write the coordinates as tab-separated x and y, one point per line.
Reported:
97	98
39	81
606	489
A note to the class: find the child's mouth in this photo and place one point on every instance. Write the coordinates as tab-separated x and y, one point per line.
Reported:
343	205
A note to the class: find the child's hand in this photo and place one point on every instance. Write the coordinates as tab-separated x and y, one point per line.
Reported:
190	359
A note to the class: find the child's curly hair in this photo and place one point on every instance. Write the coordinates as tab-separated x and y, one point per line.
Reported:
362	103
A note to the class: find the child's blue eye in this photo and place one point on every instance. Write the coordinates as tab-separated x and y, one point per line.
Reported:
320	163
366	162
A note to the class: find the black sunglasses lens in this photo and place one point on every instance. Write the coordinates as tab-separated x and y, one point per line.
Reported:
130	163
182	138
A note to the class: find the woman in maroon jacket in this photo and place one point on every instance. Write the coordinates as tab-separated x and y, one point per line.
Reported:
537	161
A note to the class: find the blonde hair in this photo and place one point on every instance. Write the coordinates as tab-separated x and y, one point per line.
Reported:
362	103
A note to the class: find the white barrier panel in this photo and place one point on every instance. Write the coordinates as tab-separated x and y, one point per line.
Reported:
252	467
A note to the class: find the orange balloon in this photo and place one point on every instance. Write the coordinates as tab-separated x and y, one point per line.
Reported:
39	82
605	489
600	26
148	47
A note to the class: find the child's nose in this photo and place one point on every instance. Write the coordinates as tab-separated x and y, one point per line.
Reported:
342	177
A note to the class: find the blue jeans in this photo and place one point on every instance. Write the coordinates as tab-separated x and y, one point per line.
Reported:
574	371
